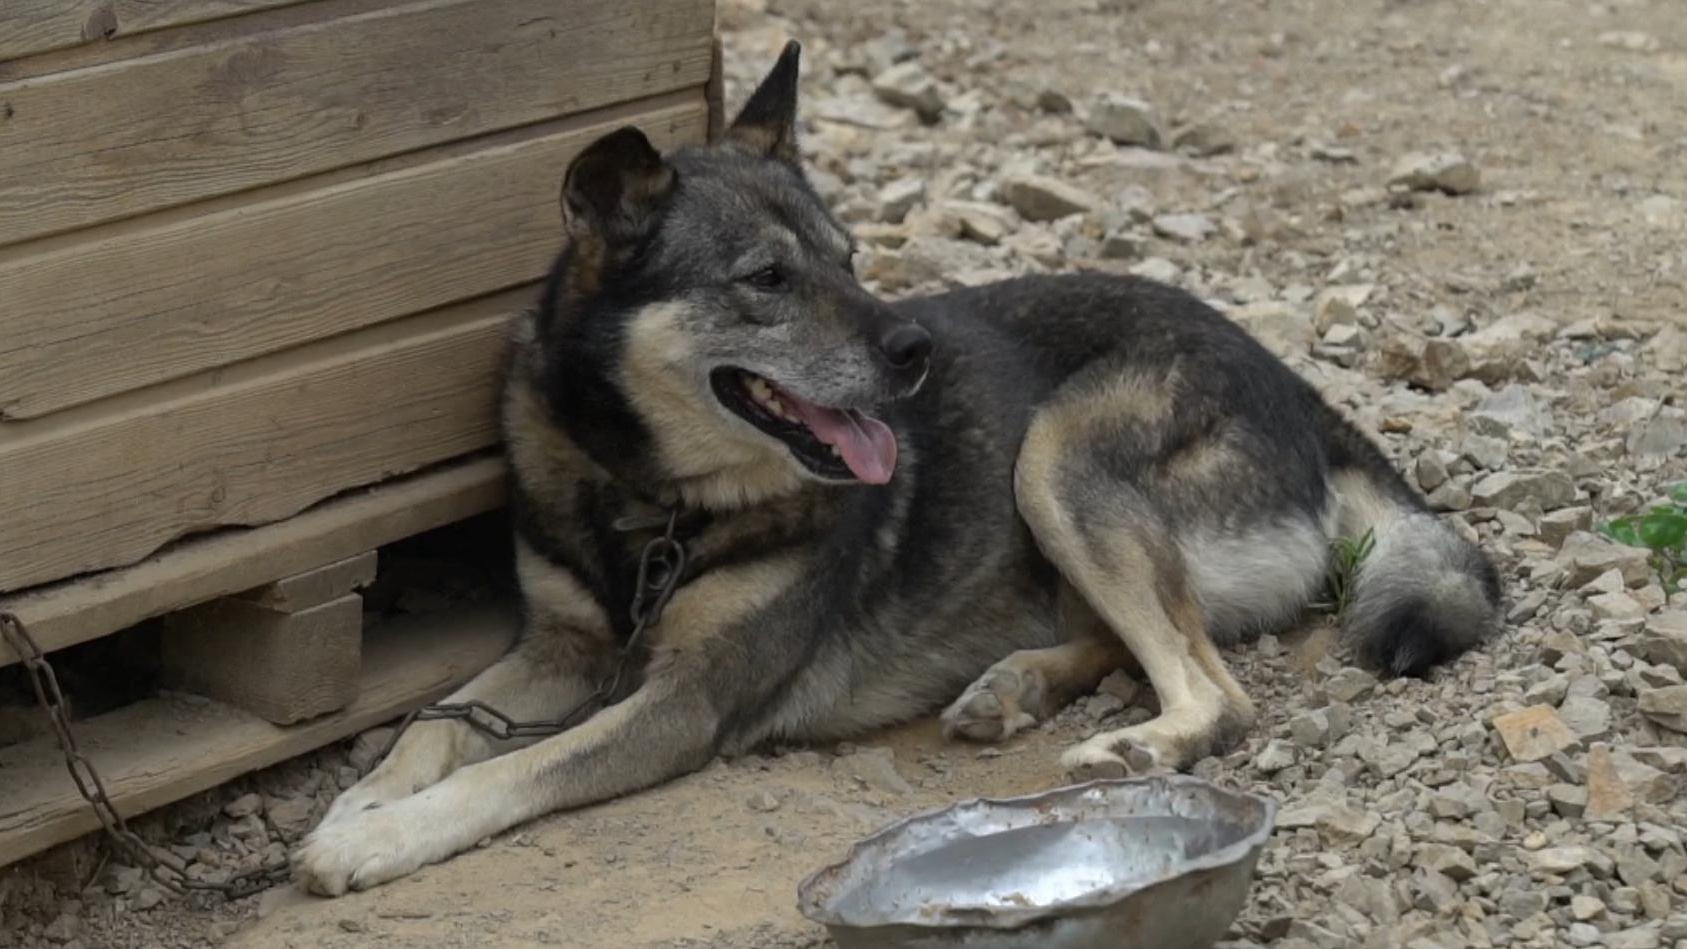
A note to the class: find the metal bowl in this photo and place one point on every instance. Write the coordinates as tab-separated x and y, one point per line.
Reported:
1158	863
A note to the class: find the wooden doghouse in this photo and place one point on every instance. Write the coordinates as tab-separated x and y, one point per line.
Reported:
256	263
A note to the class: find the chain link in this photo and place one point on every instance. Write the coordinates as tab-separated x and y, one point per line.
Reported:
165	868
660	566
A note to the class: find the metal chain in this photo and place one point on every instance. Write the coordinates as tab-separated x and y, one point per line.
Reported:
165	868
660	566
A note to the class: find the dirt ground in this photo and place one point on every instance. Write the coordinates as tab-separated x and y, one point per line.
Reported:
1574	112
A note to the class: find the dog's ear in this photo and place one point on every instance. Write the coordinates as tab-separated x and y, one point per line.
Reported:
614	189
768	123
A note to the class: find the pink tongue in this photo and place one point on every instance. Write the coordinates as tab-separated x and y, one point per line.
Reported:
867	445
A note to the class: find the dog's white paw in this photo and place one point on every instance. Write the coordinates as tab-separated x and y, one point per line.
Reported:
1115	754
360	851
995	707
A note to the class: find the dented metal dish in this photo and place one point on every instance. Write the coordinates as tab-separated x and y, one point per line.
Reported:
1159	863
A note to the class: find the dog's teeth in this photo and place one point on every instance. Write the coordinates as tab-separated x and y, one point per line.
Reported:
835	452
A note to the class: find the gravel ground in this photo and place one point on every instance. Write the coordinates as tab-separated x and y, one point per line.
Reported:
1463	221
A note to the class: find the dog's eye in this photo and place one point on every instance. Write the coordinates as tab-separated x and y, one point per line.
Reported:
767	278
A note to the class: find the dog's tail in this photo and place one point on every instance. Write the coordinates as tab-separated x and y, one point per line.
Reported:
1423	594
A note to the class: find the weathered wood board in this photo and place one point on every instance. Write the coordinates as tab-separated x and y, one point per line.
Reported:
352	411
150	303
91	145
83	608
39	26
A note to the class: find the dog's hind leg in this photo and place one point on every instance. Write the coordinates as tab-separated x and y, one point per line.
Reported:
565	649
1032	684
1109	541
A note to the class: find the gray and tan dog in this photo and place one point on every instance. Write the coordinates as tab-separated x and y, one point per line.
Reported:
987	499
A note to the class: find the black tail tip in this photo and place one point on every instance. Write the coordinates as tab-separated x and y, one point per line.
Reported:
1411	639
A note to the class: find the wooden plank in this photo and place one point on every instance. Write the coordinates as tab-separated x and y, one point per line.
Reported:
106	491
301	591
163	750
74	611
98	317
38	26
282	666
97	144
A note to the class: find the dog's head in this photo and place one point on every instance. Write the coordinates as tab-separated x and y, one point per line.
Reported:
712	292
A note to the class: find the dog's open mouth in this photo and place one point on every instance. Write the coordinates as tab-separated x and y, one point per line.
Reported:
840	444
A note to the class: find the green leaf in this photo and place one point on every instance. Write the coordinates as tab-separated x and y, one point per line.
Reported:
1622	530
1679	492
1663	531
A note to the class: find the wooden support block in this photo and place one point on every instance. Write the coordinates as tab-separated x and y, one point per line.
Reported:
165	749
302	591
283	666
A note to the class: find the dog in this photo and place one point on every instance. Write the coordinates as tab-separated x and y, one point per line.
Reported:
981	502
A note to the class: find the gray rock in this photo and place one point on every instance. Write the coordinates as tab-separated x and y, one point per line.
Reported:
1616	606
1446	860
1204	138
1186	228
1429	363
1283	328
1555	527
1666	707
874	768
1336	822
290	816
1125	120
1639	937
1430	470
1451	496
1122	245
987	224
1486	452
1662	436
1450	172
1567	799
1276	756
907	85
899	197
1349	684
244	805
1041	198
1157	269
1664	640
1584	556
1546	488
1565	860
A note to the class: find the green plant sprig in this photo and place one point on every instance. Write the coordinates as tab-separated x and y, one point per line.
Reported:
1341	581
1662	529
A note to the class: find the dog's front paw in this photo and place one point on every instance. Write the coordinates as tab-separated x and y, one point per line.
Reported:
358	852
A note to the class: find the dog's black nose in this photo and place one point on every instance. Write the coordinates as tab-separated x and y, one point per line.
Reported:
905	345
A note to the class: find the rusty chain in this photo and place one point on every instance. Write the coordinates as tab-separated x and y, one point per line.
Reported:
661	564
165	868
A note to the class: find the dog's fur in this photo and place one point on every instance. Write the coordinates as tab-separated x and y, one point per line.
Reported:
1089	471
